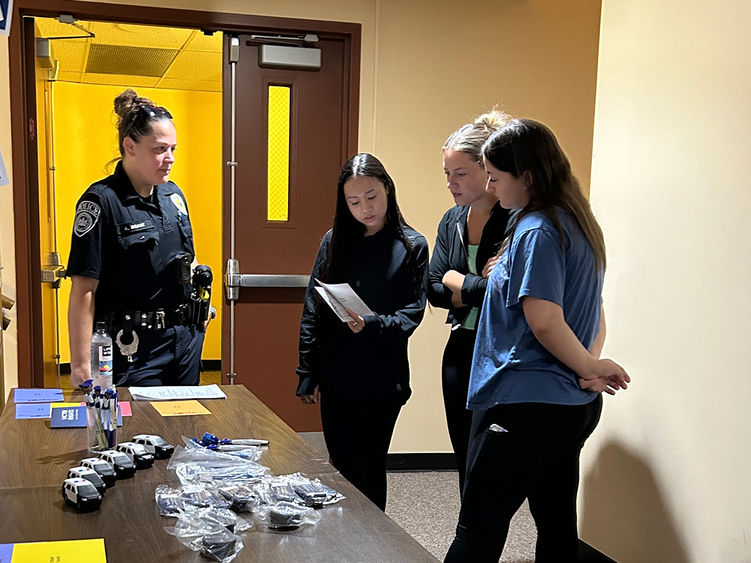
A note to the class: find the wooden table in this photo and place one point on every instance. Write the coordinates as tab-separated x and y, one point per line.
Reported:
34	460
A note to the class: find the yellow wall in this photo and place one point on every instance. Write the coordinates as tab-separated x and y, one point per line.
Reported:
428	66
84	111
666	474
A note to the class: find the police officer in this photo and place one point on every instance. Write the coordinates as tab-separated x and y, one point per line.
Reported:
131	257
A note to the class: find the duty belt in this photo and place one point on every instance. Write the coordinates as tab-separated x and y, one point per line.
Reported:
158	319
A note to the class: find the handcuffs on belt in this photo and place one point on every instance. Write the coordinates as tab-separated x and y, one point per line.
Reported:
128	350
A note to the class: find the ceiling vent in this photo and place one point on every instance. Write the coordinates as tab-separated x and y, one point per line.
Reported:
124	59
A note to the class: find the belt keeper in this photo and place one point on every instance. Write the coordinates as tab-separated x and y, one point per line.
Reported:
160	319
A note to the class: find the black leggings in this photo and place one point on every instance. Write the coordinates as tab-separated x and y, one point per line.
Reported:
457	363
358	434
537	459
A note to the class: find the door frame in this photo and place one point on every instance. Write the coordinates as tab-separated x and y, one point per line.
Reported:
23	130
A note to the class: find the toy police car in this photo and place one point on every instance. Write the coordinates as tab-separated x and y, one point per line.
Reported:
81	493
90	475
120	462
103	468
155	445
137	454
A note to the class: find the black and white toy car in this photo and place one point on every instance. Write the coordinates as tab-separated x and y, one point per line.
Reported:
154	445
103	468
90	475
81	493
120	462
137	454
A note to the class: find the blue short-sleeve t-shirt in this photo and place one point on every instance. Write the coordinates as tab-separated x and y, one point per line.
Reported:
509	364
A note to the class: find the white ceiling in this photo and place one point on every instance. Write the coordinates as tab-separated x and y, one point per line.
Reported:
194	62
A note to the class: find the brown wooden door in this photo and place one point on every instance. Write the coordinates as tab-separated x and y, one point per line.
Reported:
322	135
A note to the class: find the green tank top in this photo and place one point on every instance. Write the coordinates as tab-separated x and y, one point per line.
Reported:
470	323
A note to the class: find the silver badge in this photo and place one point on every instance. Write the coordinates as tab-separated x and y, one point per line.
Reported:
87	215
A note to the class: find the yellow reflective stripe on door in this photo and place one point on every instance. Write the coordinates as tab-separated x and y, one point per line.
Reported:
278	154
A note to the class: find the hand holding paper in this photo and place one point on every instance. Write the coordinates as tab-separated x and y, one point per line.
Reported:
340	297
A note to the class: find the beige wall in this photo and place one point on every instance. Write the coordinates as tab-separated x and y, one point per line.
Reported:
666	474
428	66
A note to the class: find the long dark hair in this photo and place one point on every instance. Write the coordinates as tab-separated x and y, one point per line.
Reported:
527	148
347	230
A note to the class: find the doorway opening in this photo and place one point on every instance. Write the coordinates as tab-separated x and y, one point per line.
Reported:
81	66
319	123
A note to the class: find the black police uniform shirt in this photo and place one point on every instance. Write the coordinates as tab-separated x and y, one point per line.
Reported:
130	244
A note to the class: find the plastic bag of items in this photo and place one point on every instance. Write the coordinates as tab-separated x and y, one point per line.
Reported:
298	489
173	501
244	497
246	452
195	466
286	517
213	532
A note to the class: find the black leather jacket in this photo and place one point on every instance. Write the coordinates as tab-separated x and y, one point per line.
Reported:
450	253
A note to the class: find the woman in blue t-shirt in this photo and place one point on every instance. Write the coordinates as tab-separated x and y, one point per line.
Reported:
536	380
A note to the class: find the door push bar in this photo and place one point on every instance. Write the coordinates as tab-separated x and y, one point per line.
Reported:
234	280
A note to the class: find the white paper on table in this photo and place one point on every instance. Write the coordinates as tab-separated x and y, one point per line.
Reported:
176	392
341	295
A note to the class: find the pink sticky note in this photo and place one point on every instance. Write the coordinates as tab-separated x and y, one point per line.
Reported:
125	408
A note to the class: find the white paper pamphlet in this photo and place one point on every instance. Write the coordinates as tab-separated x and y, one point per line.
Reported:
339	296
176	392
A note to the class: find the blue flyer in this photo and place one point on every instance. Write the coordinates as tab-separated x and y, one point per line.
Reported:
33	410
73	417
68	417
38	396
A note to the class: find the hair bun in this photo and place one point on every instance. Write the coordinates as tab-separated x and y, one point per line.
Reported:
494	119
125	101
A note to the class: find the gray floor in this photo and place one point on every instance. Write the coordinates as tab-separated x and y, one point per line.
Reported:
426	505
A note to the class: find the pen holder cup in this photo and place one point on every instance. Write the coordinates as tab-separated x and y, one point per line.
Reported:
101	430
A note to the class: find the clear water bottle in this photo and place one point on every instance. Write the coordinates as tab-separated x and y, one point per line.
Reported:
101	357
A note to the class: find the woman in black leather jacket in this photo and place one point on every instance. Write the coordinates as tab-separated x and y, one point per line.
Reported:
469	236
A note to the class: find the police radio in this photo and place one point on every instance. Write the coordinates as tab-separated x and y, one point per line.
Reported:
200	297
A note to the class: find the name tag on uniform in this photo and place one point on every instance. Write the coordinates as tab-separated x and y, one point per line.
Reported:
136	227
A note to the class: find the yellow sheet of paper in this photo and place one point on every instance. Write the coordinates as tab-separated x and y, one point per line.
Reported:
73	551
68	405
180	408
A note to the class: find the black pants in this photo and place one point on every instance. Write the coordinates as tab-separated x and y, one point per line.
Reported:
358	435
164	357
537	459
455	369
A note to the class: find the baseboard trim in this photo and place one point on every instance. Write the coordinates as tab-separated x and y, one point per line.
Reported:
421	462
588	554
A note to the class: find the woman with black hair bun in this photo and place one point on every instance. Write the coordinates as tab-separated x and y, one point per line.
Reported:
131	256
359	370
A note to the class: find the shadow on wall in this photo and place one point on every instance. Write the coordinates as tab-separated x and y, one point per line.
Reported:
624	515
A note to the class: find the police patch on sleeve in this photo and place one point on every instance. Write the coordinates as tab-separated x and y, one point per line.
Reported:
179	203
87	214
